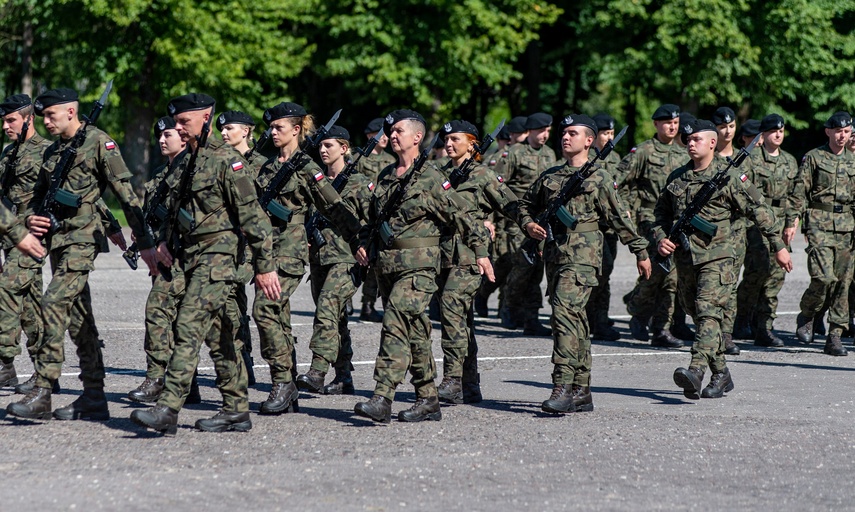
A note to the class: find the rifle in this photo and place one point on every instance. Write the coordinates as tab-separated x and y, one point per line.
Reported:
12	166
56	196
259	144
557	208
318	222
461	174
297	161
381	232
690	220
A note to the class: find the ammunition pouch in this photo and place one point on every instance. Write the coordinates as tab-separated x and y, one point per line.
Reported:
279	211
703	226
66	198
186	222
566	217
386	234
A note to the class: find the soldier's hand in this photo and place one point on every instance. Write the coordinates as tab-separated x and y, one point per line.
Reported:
38	226
789	235
783	259
269	284
361	256
118	240
486	269
666	247
491	228
535	231
150	257
644	268
32	246
163	255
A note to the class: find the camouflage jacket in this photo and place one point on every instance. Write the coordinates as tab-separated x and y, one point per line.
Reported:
428	205
222	203
20	186
825	192
524	165
98	164
775	177
357	197
484	192
371	165
307	186
645	170
610	164
598	199
739	193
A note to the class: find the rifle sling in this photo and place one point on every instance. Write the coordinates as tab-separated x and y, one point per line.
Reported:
415	243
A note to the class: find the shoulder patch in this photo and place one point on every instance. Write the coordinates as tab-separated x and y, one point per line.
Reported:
615	184
371	186
743	178
236	166
492	162
501	180
319	176
446	185
633	150
110	145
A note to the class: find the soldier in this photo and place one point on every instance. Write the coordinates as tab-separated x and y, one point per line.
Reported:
706	268
574	258
370	167
406	269
525	162
679	328
221	204
747	131
74	244
484	192
774	172
646	168
597	308
824	195
330	268
291	125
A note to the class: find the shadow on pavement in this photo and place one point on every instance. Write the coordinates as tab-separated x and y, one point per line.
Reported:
656	395
795	365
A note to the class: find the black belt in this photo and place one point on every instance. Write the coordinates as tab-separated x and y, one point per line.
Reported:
832	208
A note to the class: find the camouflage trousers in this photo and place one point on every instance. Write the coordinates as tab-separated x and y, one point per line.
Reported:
598	305
20	301
570	288
522	293
405	336
762	281
653	299
332	288
67	305
369	288
206	312
244	333
273	318
738	235
161	310
704	292
458	286
830	268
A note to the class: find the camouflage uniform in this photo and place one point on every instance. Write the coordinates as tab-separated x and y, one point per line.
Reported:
707	271
739	227
763	279
574	260
406	273
520	169
290	247
646	168
499	254
824	194
370	167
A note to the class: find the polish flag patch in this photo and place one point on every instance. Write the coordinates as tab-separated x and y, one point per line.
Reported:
371	186
319	176
743	178
615	184
632	150
110	145
501	180
237	166
446	185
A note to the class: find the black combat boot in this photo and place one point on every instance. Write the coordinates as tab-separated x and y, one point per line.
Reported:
91	405
28	385
690	380
8	375
378	409
225	422
561	400
160	418
249	363
604	331
533	327
819	324
742	328
730	348
194	397
834	347
423	409
283	398
805	328
509	318
766	338
638	328
34	406
450	390
480	305
369	314
312	381
471	387
147	392
665	339
342	384
720	383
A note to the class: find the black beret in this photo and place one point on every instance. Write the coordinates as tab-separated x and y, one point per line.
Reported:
284	109
336	132
579	120
685	119
749	128
723	115
839	119
604	122
666	112
189	102
397	116
374	126
697	126
234	117
771	122
458	126
538	120
517	125
504	134
14	103
54	97
163	124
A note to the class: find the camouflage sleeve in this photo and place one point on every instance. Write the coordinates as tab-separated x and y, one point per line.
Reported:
531	203
614	213
627	173
664	213
802	186
501	198
791	213
328	201
112	168
505	166
10	226
108	220
41	186
451	209
748	199
240	195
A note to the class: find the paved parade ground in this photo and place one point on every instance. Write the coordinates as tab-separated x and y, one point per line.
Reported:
782	440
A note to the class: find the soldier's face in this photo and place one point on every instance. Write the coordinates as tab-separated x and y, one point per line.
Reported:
838	137
538	137
382	143
604	136
170	143
331	151
57	118
13	124
283	132
774	137
726	132
403	137
516	138
700	145
189	124
234	134
575	139
747	139
458	145
667	129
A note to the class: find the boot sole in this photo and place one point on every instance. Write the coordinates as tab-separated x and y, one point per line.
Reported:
344	391
143	400
288	407
169	430
85	416
434	416
451	399
38	416
689	389
244	426
308	386
554	410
